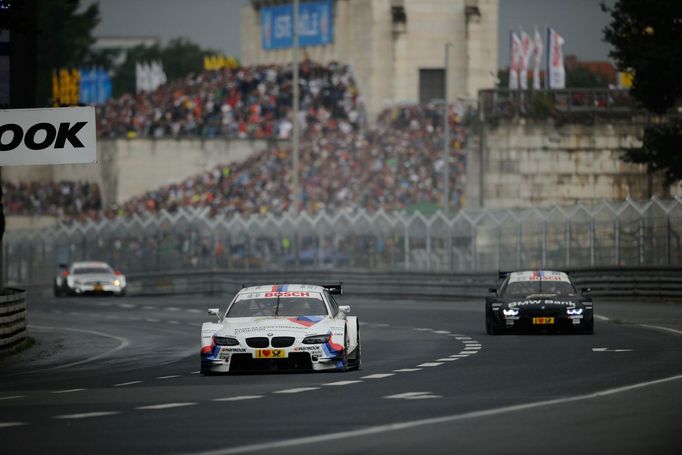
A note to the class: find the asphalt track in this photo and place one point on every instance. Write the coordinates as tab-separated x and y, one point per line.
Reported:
120	375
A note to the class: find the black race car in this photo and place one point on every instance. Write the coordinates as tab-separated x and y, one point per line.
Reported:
540	300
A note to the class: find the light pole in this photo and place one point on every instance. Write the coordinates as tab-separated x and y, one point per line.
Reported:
294	140
446	139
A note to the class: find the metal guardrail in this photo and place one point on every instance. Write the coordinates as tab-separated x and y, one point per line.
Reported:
13	320
603	282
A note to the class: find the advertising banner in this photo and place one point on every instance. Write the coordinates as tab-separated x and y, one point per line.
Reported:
315	25
527	48
61	135
556	74
538	59
515	60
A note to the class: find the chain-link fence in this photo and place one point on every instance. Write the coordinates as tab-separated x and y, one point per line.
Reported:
629	233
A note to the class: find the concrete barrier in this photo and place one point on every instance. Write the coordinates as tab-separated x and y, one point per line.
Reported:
13	320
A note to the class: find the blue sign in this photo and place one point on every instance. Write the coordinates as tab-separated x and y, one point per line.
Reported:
95	86
315	25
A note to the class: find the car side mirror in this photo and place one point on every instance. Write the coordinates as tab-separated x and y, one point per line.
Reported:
63	266
213	311
584	290
344	308
493	290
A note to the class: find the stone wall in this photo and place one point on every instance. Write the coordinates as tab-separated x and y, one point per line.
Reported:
128	168
523	163
386	57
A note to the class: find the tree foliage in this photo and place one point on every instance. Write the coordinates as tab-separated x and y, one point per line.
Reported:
647	38
179	58
63	40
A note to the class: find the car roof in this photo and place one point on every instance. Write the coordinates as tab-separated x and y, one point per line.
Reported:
283	288
89	264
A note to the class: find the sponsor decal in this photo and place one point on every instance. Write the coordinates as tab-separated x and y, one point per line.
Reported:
308	348
269	327
539	302
538	276
234	350
287	294
270	353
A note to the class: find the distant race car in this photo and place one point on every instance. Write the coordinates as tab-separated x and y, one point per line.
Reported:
89	277
281	327
540	300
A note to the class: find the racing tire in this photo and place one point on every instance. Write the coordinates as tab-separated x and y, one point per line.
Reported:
356	359
57	291
489	326
588	329
344	359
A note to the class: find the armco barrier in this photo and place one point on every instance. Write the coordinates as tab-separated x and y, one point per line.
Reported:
13	319
607	282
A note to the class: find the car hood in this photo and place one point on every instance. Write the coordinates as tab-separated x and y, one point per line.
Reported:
95	277
290	325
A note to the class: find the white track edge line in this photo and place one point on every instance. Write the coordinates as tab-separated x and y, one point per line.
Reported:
435	420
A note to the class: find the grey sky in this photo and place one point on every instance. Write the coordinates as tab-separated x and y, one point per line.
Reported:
215	23
580	22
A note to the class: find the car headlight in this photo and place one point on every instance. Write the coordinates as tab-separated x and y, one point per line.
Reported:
316	339
574	311
117	282
510	311
225	341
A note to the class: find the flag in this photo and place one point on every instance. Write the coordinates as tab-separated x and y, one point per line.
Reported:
139	77
515	44
538	59
556	74
526	53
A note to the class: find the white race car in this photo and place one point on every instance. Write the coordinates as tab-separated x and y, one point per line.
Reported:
281	327
89	277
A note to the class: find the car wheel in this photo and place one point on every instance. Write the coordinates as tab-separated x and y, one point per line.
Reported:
57	291
489	326
354	362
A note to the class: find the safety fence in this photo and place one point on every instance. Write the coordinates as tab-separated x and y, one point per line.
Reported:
13	319
584	236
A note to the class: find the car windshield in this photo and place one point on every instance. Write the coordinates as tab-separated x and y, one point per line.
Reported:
272	304
91	270
524	288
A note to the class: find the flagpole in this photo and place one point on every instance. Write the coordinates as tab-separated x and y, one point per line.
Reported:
295	144
446	139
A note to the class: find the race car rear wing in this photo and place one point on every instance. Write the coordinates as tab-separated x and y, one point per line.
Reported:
334	288
502	275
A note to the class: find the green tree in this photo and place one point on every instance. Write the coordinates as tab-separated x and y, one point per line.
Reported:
63	40
179	58
647	38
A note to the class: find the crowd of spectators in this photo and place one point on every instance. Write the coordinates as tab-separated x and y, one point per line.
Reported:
397	164
247	103
393	166
61	199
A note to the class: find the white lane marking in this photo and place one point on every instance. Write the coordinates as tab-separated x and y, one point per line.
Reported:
239	398
134	318
429	364
600	317
193	310
611	350
151	320
380	325
462	338
174	322
86	415
342	382
123	343
422	329
378	376
441	332
377	429
11	424
172	308
298	390
413	396
164	406
195	372
406	370
459	356
468	352
168	377
13	397
127	305
147	307
67	391
446	359
665	329
123	384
